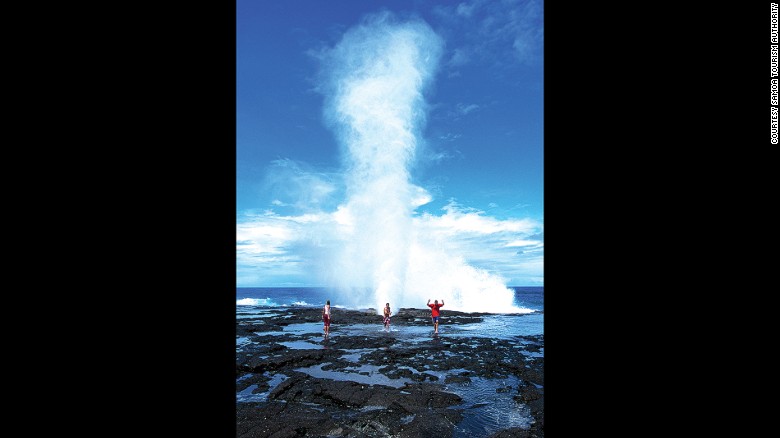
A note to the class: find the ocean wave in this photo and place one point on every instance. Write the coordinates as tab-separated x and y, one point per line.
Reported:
523	310
256	302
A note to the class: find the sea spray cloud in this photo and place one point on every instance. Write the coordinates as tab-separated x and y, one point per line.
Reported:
374	81
375	78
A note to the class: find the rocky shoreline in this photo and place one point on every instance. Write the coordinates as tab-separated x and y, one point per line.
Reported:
363	381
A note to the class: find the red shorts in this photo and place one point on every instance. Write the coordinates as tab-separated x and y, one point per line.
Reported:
326	319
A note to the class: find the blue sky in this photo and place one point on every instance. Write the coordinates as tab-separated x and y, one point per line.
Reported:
453	112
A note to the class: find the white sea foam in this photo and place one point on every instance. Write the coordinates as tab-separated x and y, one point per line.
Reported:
256	302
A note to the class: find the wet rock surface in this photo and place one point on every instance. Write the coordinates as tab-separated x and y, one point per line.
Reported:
399	383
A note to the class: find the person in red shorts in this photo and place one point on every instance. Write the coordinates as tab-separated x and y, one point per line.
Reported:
435	313
326	317
386	319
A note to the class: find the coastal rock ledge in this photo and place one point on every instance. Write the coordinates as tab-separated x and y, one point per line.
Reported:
362	381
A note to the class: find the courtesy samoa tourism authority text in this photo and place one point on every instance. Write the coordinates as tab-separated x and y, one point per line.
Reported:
774	69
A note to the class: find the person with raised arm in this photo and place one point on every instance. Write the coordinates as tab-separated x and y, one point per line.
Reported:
435	313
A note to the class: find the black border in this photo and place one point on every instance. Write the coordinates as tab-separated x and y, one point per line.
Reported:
637	100
656	139
171	198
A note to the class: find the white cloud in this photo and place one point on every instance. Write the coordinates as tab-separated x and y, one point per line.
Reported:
459	57
464	220
516	243
464	109
455	113
465	9
296	184
449	137
502	32
270	245
420	196
273	246
265	236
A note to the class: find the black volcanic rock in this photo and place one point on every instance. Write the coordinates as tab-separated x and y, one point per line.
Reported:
413	397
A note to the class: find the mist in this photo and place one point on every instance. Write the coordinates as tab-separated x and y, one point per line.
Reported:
374	82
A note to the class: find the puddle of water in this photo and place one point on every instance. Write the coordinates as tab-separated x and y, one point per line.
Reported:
242	342
413	370
297	329
487	410
314	406
413	332
502	326
252	312
354	356
539	353
300	345
374	377
362	369
247	396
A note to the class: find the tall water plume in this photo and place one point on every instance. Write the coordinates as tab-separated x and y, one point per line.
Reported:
375	78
